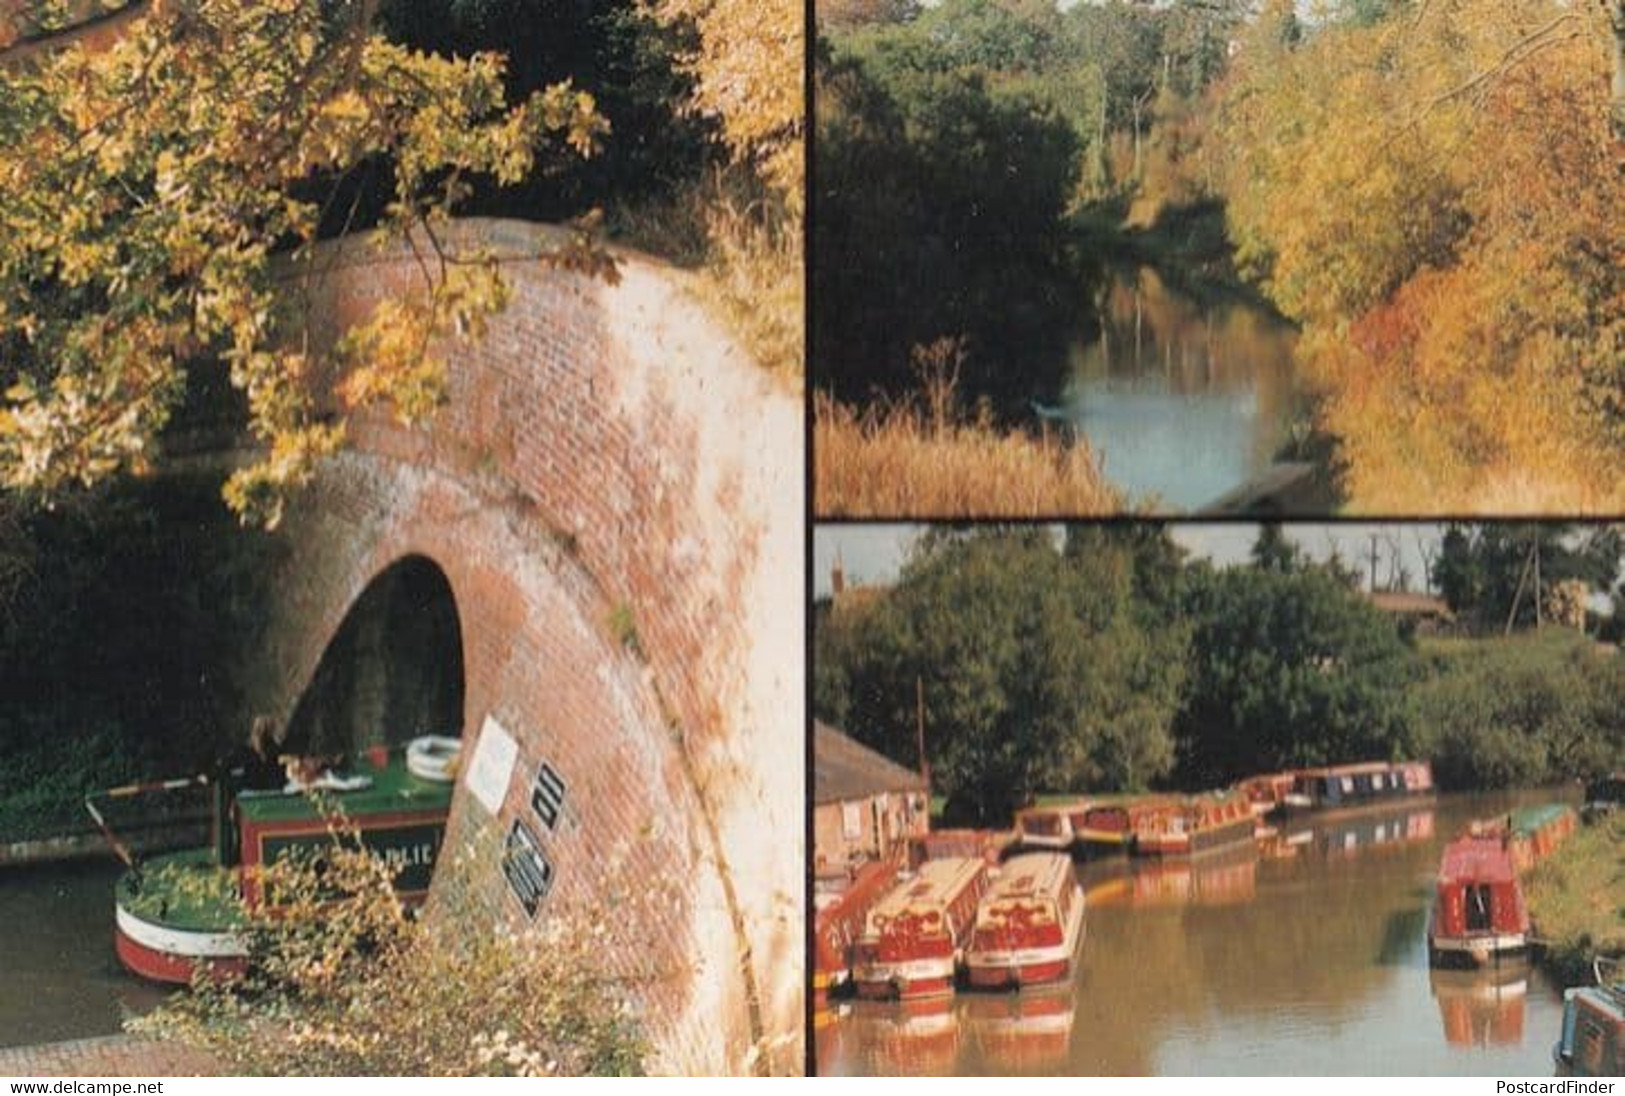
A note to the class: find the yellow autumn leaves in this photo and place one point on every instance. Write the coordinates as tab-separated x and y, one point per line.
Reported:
151	186
1436	198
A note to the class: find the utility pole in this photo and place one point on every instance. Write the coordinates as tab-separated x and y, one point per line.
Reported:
1373	558
919	727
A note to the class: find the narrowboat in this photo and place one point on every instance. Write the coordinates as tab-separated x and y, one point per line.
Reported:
1193	825
916	934
1533	833
1045	828
1265	794
1367	783
1102	827
1593	1040
185	911
839	922
1028	925
1479	916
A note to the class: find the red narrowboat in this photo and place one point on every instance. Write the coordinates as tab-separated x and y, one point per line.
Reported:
1045	828
1028	925
1479	916
912	944
1194	825
1106	827
839	922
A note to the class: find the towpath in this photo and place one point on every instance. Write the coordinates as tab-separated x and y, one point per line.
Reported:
107	1056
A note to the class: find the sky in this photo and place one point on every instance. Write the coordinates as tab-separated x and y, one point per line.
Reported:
873	554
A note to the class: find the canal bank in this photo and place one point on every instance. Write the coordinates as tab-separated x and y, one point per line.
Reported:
1575	901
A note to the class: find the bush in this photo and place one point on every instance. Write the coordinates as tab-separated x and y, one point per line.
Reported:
343	982
1529	710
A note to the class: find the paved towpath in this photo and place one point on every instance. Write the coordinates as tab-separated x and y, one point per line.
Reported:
108	1056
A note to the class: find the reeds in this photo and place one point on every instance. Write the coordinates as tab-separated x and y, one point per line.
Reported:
924	456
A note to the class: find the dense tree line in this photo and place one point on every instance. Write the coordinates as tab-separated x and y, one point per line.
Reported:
953	143
1104	660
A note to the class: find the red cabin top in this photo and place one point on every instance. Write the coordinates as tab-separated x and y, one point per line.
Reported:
930	914
1478	890
1030	903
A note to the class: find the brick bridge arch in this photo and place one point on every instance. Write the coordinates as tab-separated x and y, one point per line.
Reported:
613	494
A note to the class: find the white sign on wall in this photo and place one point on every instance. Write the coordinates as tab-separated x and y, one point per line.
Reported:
492	768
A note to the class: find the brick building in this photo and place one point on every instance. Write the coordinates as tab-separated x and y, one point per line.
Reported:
865	806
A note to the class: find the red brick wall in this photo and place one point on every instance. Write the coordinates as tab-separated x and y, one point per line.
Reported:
605	453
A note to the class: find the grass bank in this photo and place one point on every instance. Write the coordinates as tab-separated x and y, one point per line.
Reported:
1577	900
926	460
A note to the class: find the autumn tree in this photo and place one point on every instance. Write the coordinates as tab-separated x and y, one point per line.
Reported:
1435	197
154	185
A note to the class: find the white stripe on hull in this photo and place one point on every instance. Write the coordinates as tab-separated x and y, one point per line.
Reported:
191	943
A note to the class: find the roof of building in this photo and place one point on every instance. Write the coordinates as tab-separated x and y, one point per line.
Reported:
844	768
1394	601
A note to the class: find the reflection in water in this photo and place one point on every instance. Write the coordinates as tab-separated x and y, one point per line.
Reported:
1482	1007
1310	958
60	977
1185	401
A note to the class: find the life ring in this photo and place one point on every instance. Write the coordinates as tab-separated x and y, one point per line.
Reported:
434	757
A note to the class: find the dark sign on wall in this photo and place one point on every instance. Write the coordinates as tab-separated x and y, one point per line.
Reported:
530	875
547	795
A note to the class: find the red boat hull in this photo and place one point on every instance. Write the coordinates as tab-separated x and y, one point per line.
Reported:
161	966
1030	974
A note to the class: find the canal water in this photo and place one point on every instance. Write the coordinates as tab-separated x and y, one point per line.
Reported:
59	977
1308	957
1185	401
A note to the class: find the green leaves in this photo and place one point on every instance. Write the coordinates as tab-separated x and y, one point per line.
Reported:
151	187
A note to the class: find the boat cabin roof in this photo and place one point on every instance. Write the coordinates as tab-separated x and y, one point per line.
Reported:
1528	820
1475	860
935	884
1032	875
394	789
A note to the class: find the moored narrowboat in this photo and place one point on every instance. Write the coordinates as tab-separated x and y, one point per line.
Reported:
1479	916
839	922
1028	925
1363	784
181	912
1193	825
1533	833
916	934
1592	1043
1045	828
1266	793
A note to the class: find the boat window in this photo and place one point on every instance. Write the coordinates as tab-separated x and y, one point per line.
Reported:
1478	907
851	821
